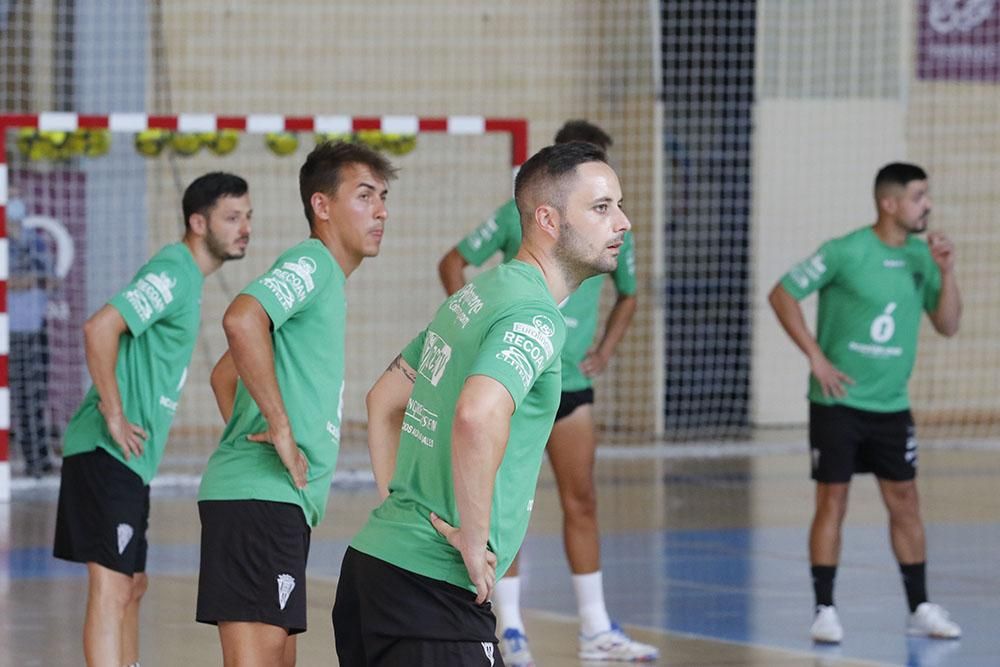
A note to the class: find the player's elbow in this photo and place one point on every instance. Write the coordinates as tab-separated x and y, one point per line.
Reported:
220	378
373	399
469	417
98	328
90	331
451	270
475	416
777	297
947	328
444	265
237	322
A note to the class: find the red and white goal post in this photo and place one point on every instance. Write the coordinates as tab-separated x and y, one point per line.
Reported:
437	166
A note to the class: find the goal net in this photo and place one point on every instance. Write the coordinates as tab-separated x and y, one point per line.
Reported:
88	199
842	89
745	133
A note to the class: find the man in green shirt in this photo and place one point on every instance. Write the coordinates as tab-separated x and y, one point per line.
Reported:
457	427
280	388
873	284
573	442
138	347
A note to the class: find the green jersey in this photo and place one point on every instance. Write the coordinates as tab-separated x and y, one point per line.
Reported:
502	233
871	297
506	326
162	309
303	294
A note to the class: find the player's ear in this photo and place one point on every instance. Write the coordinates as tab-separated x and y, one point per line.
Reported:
320	204
887	200
547	219
198	224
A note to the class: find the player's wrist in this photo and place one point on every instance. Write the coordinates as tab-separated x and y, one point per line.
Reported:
279	424
109	411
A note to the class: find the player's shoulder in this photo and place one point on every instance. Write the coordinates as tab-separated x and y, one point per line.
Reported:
176	261
860	236
917	245
172	253
512	283
311	255
310	264
853	244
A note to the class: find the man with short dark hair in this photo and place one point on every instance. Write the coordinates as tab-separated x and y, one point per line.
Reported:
873	285
457	425
138	347
573	443
280	388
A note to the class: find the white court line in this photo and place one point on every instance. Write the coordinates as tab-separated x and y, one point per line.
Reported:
702	450
362	475
839	660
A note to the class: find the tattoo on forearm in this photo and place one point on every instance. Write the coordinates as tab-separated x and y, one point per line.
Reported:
397	363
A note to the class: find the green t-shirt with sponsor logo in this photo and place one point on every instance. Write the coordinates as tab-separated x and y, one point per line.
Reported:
303	294
502	233
162	308
871	297
506	326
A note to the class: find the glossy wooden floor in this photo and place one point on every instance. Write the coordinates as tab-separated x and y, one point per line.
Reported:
703	557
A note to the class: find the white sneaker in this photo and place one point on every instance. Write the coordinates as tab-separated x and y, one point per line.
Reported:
826	628
514	649
615	645
931	620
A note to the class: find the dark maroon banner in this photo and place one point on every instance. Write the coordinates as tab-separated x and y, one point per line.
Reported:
959	40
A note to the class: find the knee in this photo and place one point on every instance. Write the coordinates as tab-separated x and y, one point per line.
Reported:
112	594
832	505
580	502
903	504
140	583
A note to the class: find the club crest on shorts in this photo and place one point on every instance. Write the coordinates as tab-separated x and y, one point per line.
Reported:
286	584
125	533
488	650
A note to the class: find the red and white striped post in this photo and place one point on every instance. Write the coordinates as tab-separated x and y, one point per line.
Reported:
517	128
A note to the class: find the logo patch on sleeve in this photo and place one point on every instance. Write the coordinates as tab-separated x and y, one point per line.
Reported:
434	358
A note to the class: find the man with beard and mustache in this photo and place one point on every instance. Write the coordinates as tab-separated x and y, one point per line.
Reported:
457	426
572	445
280	388
138	347
873	285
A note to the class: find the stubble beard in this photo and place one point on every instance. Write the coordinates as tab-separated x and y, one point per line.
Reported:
219	251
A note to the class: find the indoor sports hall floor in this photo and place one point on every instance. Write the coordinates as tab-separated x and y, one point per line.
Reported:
703	556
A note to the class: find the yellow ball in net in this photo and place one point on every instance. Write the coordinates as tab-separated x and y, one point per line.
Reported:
152	142
282	143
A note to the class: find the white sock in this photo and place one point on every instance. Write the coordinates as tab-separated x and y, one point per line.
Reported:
507	598
590	603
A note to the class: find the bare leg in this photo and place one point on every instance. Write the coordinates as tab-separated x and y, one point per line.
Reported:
571	450
906	527
255	645
824	535
515	567
130	622
108	595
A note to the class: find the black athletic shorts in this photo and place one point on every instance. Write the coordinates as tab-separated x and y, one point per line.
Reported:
846	440
253	563
103	513
387	616
571	400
